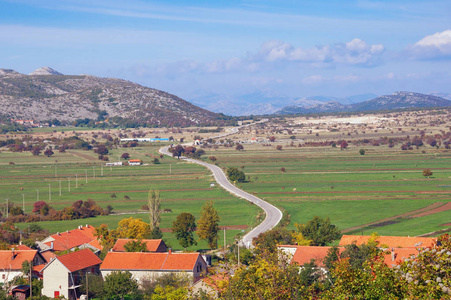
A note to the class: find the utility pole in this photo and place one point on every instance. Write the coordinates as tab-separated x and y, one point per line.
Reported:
76	181
7	208
87	291
68	183
37	195
60	186
23	201
101	170
94	172
31	289
170	169
224	241
86	171
55	172
50	192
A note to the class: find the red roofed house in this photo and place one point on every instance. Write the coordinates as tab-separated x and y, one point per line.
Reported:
389	241
135	162
304	254
156	245
148	265
82	237
63	275
11	262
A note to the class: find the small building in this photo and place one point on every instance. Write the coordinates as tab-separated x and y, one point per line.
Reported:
156	245
64	274
135	162
113	164
148	265
11	262
20	292
82	237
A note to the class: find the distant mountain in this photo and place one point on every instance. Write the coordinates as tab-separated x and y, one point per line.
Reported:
258	103
399	100
441	95
50	95
45	71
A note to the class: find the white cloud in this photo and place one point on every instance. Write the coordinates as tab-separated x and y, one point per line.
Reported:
437	45
314	79
355	52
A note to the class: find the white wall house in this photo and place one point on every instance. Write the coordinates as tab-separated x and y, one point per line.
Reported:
64	274
11	263
147	265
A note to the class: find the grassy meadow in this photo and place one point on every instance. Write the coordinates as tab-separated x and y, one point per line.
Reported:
353	190
349	188
184	187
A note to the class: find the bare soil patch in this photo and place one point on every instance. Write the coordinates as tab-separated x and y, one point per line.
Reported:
445	207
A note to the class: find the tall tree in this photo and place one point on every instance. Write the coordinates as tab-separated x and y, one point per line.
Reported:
208	225
154	208
135	246
184	227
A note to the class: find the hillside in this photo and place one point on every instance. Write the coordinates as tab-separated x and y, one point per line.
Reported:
67	98
398	100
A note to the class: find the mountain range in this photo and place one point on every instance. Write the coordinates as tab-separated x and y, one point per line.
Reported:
46	94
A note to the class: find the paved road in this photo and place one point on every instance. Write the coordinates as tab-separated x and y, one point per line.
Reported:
273	214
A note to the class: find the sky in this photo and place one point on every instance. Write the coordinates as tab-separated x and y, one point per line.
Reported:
205	50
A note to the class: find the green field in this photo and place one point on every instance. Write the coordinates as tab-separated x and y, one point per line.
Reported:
183	187
349	188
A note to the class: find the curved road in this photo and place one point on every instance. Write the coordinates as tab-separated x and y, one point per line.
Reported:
273	214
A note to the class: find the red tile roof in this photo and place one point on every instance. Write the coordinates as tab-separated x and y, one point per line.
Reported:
389	241
20	247
72	238
48	255
304	254
400	254
7	261
149	261
79	260
152	245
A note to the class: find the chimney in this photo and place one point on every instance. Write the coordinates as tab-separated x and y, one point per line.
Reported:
51	245
393	254
86	225
58	233
12	254
170	251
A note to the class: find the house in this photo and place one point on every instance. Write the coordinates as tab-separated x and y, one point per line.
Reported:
113	164
134	162
11	262
304	254
63	275
389	241
148	265
156	245
82	237
20	292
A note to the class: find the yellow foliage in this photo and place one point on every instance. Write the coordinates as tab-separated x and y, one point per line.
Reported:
133	229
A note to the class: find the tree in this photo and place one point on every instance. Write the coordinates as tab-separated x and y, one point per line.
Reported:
208	225
239	147
156	233
118	284
48	152
236	175
320	231
36	151
184	227
38	206
102	150
212	158
178	151
94	283
272	139
343	145
279	147
135	246
362	151
154	208
268	241
133	229
427	173
125	155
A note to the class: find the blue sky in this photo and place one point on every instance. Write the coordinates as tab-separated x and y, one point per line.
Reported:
196	49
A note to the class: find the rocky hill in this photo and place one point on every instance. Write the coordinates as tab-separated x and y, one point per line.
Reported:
46	94
399	100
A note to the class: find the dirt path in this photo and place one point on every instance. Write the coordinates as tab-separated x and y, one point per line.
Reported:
84	156
428	210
